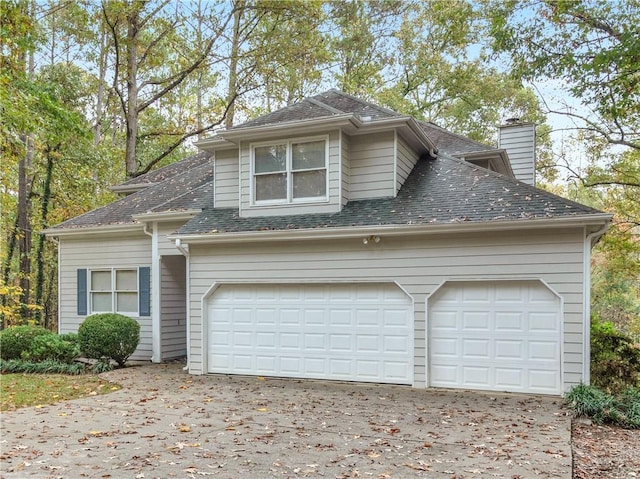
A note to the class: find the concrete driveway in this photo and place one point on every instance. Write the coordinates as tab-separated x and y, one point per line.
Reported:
165	423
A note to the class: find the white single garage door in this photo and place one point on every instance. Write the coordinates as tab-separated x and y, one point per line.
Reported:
354	332
498	336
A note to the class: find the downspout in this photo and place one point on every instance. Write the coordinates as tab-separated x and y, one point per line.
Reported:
155	294
185	252
589	242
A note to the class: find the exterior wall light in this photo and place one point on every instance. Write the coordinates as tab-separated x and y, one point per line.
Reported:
371	239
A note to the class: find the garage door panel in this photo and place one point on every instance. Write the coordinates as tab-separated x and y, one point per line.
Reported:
495	336
509	321
478	321
509	350
476	348
359	332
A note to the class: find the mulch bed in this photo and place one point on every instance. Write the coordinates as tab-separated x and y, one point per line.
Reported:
604	452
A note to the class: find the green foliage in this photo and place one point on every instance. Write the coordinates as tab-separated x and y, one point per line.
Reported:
44	367
18	339
622	410
615	361
110	336
51	347
101	366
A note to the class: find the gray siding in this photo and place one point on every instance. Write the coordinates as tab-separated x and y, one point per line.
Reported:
407	159
173	307
226	186
101	251
334	187
165	246
345	142
520	143
372	166
418	264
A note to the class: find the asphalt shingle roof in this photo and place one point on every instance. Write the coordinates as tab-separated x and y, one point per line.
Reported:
166	172
184	191
440	191
327	104
437	191
451	143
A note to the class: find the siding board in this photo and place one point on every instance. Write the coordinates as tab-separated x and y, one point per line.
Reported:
372	172
226	182
173	307
101	252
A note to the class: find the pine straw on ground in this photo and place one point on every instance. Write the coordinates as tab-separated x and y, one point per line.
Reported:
604	452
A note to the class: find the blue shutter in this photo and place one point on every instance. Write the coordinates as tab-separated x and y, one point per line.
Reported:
82	292
144	290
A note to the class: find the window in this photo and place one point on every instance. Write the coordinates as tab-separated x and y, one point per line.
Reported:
290	171
114	290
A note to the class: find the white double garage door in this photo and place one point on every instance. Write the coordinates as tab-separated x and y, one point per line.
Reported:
502	336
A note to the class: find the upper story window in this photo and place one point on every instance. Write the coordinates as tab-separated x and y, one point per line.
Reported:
290	171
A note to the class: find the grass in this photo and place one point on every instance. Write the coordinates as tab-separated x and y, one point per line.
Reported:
27	390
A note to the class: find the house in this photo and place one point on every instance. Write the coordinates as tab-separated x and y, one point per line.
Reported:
336	239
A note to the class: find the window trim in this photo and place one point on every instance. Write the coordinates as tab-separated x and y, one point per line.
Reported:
113	291
289	200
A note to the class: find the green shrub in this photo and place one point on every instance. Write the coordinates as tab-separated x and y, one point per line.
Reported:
70	338
15	366
622	410
631	400
615	361
51	347
17	339
109	336
102	366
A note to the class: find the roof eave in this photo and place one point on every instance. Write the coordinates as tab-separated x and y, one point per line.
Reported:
132	188
230	138
103	229
167	215
390	230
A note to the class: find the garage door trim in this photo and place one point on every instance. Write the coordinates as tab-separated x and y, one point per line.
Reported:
204	342
454	281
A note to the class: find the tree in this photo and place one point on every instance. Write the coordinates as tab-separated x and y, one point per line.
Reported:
359	45
151	61
594	46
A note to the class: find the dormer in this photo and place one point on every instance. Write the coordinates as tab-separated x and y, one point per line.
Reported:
314	157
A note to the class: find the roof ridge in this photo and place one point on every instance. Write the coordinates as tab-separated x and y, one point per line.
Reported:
368	103
324	105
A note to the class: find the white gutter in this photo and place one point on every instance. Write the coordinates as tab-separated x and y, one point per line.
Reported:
131	188
185	252
123	228
589	242
167	215
288	127
387	230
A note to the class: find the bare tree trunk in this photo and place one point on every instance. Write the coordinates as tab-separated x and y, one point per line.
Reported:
232	84
132	93
24	223
102	65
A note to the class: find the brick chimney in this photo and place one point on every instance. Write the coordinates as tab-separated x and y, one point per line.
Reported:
518	138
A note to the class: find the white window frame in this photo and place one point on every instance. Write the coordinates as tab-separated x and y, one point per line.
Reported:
289	171
113	291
